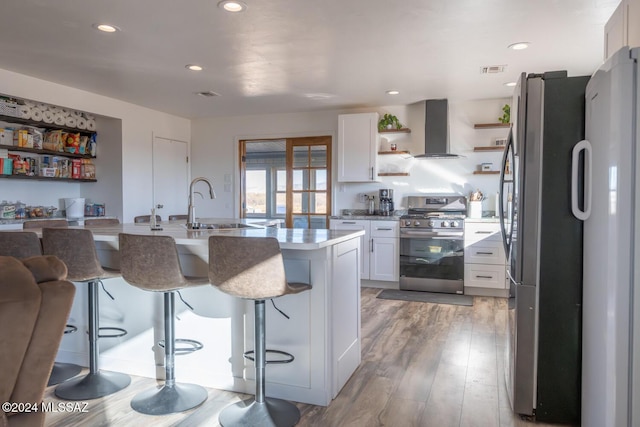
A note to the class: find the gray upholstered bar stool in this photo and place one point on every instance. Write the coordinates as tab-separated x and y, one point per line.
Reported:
141	219
253	268
151	263
98	222
76	248
41	223
25	244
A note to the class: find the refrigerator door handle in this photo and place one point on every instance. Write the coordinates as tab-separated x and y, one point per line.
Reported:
581	214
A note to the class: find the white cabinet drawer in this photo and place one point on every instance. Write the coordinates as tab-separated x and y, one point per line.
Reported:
476	231
485	252
385	229
484	276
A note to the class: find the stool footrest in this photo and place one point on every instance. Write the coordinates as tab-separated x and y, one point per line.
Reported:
190	346
289	359
118	332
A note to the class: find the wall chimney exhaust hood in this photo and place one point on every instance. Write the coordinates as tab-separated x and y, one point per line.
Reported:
436	130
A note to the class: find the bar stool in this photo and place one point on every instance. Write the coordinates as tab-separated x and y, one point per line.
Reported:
145	218
25	244
151	263
76	248
98	222
253	268
41	223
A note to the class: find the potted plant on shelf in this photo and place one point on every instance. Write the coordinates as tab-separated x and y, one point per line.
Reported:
389	121
506	116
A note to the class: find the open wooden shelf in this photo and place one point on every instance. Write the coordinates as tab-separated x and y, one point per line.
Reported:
402	130
394	152
393	174
486	172
46	178
43	151
491	125
491	148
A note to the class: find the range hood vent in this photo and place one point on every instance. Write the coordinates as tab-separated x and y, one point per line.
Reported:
436	130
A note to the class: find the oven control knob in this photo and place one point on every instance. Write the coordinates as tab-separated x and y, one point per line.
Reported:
454	224
431	223
445	223
416	223
407	222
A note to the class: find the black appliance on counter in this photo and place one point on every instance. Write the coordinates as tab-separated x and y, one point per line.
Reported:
386	206
432	244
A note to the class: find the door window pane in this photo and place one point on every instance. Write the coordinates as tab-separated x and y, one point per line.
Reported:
301	202
319	203
300	156
256	191
320	179
301	179
318	221
318	155
300	221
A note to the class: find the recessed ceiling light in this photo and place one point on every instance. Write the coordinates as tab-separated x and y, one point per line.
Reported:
193	67
232	5
510	84
519	45
393	92
106	28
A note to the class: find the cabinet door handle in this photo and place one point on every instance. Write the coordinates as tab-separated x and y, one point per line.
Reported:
385	229
348	222
484	253
371	245
484	232
484	277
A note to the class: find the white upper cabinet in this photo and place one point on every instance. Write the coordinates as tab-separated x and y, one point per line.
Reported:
357	147
623	28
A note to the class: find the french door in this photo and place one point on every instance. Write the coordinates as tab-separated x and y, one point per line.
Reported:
287	178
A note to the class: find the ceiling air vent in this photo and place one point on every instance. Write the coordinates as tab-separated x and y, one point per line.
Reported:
208	94
492	69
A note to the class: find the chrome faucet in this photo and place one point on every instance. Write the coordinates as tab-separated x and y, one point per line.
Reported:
191	220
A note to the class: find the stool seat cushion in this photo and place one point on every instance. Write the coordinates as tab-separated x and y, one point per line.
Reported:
152	263
249	267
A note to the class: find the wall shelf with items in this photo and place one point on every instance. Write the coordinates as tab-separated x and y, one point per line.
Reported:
486	172
491	125
43	125
489	148
43	151
394	152
45	178
401	130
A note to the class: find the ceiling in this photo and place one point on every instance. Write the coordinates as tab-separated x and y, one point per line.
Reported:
283	56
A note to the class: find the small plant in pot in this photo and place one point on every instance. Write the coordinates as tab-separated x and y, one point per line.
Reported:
389	121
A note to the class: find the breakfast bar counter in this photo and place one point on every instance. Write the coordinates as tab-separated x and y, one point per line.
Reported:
322	332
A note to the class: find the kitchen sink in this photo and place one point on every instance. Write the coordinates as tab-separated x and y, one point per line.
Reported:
223	226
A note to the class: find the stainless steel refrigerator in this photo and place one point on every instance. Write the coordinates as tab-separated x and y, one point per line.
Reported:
543	243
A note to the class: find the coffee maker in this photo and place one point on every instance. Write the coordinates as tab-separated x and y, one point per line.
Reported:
386	201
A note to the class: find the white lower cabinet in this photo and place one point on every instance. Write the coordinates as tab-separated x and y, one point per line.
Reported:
484	258
380	247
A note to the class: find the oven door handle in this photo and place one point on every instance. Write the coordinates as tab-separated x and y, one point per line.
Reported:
455	235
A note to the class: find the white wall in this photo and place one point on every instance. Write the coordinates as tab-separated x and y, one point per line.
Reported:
214	153
124	160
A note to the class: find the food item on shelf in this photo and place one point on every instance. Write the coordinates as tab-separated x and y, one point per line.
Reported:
88	169
53	141
76	167
6	136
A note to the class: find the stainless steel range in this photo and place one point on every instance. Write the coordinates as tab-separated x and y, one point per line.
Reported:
432	244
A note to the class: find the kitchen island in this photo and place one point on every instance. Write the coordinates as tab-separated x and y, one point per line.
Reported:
323	332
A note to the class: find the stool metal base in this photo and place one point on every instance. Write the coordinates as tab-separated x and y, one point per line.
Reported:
169	399
62	372
92	386
271	413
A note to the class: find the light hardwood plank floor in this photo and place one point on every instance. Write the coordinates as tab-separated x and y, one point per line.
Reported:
422	365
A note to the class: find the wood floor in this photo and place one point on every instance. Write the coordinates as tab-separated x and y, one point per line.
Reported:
423	364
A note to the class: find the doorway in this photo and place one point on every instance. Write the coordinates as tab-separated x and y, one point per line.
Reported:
287	179
170	177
